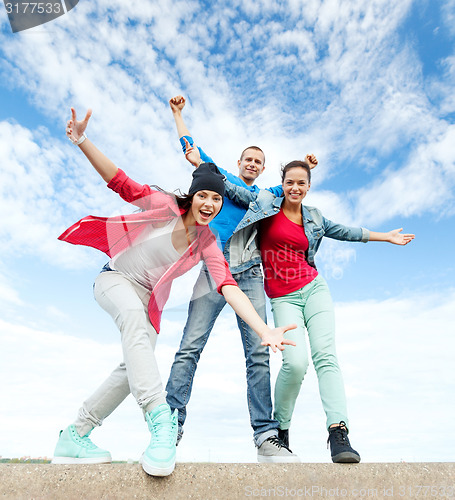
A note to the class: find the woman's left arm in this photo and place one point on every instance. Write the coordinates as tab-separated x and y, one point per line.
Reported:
238	194
395	236
273	337
347	233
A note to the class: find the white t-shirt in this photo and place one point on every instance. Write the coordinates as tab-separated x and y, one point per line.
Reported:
150	256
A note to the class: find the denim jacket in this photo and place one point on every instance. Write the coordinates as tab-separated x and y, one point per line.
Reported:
242	245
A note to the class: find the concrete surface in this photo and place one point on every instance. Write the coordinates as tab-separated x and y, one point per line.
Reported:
228	481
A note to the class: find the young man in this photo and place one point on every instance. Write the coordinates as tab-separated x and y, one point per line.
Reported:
206	304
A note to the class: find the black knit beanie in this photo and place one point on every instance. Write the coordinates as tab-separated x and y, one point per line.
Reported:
207	177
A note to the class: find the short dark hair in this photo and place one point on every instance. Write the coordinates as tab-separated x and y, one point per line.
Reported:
252	147
295	164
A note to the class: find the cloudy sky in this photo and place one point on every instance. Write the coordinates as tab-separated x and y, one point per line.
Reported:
366	86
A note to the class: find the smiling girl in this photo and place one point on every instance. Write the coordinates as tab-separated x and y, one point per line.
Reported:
289	234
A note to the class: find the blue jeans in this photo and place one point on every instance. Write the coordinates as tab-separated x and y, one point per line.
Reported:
202	313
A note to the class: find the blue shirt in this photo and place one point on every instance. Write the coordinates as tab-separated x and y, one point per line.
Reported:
224	224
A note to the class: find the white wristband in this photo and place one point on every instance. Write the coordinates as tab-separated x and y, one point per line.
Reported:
80	140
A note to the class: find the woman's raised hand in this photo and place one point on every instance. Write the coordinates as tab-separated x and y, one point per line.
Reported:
74	128
275	337
400	239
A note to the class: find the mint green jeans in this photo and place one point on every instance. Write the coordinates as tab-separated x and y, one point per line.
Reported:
309	307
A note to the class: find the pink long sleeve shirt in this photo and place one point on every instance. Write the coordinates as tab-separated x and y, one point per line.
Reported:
112	235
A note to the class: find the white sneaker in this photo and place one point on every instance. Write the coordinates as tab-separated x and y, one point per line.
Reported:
272	450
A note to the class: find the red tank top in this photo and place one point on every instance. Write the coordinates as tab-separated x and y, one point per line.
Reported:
283	246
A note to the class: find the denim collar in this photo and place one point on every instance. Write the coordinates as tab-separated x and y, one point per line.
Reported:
306	214
277	202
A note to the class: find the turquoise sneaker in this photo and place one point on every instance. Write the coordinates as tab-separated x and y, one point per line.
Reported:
74	449
159	457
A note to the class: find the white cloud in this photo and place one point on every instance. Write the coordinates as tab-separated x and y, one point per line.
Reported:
425	184
8	294
39	196
357	92
448	14
54	312
441	87
402	348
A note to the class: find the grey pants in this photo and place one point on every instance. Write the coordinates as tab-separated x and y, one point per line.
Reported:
126	301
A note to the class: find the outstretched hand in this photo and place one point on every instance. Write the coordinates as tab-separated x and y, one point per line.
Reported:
275	337
75	128
177	103
192	153
311	159
400	239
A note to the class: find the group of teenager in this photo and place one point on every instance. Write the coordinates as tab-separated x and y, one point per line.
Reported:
249	240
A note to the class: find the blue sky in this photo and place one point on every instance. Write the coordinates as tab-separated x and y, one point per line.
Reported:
366	86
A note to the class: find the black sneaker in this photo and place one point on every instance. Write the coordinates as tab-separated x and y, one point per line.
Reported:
283	436
340	447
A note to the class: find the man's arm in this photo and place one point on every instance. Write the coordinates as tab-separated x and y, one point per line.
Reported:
177	104
311	160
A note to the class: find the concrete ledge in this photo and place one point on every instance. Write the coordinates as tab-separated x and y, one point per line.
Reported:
228	481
